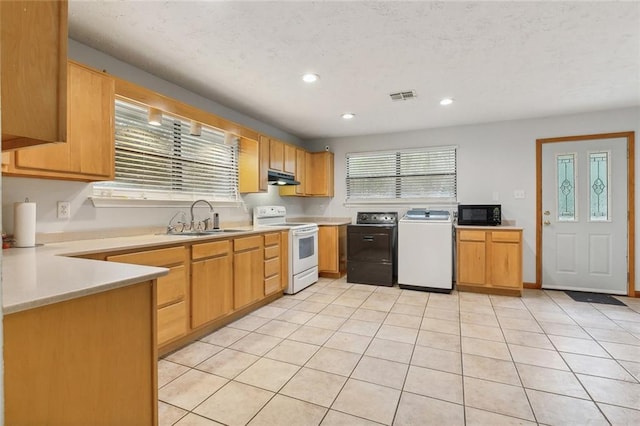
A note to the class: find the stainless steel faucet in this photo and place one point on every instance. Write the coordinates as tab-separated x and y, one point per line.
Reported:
192	206
179	226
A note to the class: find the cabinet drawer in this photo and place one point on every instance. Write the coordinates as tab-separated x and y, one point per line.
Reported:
171	287
506	236
247	243
271	252
271	239
216	248
271	285
160	257
467	235
271	267
172	322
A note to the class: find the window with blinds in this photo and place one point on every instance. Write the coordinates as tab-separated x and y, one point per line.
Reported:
427	174
167	162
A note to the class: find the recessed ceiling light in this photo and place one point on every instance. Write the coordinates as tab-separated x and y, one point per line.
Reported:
348	115
310	78
446	101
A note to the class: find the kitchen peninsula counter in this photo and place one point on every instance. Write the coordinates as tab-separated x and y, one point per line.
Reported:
81	334
51	273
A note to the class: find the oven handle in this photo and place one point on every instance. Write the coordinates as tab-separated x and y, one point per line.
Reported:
313	231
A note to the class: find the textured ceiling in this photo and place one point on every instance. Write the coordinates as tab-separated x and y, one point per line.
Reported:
498	60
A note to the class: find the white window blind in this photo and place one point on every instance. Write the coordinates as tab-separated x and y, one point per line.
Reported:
167	162
427	174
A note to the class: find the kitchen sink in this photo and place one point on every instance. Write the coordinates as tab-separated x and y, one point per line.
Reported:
209	232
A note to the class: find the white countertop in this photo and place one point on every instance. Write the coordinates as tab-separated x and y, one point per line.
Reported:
488	228
38	276
322	221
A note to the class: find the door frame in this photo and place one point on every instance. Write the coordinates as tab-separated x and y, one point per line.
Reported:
630	138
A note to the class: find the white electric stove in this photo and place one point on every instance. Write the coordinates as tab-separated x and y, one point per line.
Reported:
303	246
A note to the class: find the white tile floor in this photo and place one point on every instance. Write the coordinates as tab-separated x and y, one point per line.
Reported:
349	354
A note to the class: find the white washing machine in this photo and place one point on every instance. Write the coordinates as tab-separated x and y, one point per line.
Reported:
425	250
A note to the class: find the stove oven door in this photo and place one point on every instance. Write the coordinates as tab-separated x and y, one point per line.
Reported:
368	243
371	254
304	250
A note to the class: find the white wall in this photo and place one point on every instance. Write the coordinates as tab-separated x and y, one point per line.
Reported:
492	158
85	217
99	60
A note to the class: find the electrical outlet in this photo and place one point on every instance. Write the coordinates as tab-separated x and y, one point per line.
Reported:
64	210
518	193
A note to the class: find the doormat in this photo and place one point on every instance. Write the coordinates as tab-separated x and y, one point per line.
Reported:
581	296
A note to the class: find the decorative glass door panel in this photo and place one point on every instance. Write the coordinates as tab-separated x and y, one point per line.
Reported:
599	192
566	172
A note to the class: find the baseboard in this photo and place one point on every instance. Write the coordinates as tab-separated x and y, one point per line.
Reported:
531	285
501	291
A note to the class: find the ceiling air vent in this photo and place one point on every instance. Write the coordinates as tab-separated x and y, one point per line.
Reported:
403	96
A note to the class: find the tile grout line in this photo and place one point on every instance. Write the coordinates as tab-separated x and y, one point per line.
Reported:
592	400
362	354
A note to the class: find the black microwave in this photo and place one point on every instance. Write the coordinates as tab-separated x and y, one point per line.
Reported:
480	214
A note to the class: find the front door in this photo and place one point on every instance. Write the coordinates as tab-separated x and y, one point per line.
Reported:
584	214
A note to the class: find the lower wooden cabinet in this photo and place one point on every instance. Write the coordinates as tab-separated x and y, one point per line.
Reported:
211	282
218	282
272	264
489	260
85	361
332	251
248	270
172	295
172	322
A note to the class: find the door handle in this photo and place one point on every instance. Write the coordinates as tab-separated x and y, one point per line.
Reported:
546	222
546	213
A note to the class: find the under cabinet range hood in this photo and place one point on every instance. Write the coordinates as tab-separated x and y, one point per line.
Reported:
280	178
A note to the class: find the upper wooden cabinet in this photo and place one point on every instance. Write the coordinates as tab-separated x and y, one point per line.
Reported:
314	171
289	159
263	164
299	173
276	155
88	154
33	45
319	174
253	165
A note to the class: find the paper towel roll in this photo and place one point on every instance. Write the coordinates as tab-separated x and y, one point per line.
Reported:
24	224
